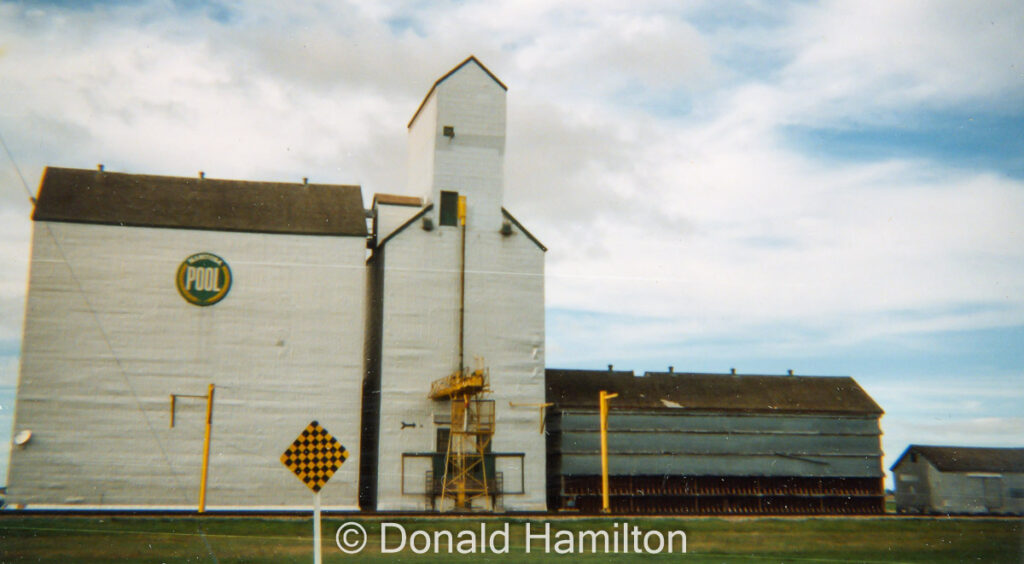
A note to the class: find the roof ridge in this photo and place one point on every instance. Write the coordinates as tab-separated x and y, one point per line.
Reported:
716	392
526	231
190	178
144	200
952	458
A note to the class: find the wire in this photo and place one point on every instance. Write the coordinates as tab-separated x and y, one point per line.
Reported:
95	315
117	359
106	339
17	169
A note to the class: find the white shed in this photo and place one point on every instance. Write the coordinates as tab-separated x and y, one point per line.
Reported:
960	480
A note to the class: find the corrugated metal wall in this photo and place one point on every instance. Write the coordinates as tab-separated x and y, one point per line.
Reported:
678	462
922	488
108	339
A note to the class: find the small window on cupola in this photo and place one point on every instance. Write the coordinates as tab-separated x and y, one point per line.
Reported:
449	208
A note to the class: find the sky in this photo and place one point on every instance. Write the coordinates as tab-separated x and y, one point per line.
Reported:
835	188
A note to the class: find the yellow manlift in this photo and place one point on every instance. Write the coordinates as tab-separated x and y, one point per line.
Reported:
472	427
472	418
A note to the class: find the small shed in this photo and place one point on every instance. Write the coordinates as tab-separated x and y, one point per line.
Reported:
960	480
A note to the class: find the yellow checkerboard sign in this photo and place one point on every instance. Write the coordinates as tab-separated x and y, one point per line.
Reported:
314	456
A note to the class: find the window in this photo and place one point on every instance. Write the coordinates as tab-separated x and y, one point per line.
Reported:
443	436
442	466
449	208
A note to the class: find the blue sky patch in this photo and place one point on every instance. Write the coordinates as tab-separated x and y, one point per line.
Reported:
672	103
10	347
977	141
82	5
216	11
404	23
777	348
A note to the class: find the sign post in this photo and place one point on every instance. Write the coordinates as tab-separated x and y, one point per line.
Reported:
316	528
314	456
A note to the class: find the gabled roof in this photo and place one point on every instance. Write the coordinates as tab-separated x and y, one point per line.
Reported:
968	459
420	213
529	235
470	59
142	200
711	392
407	223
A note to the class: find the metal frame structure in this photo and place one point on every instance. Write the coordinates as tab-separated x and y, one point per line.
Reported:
718	495
515	485
469	439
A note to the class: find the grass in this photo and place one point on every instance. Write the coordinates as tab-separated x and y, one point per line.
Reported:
39	538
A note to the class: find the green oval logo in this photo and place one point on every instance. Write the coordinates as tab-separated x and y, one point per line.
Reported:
203	279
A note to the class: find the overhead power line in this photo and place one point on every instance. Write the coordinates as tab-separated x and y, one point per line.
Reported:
17	169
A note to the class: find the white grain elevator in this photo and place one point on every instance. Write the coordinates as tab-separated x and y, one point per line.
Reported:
447	295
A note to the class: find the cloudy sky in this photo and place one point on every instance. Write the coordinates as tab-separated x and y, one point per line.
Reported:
835	188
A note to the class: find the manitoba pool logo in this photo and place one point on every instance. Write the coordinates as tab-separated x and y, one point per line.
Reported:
203	279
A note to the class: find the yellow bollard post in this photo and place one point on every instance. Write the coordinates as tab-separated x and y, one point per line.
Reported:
605	396
206	449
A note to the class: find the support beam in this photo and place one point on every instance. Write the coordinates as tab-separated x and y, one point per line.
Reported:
542	407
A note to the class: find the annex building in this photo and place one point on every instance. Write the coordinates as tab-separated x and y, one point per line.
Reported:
180	332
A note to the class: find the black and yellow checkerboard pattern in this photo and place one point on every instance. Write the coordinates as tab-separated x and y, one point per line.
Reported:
314	456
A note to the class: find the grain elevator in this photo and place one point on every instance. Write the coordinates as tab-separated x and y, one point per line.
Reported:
180	331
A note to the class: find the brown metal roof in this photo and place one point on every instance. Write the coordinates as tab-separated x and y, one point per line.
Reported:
969	459
396	200
710	392
141	200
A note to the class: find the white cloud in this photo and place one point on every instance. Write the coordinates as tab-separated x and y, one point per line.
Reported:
762	233
865	61
711	215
